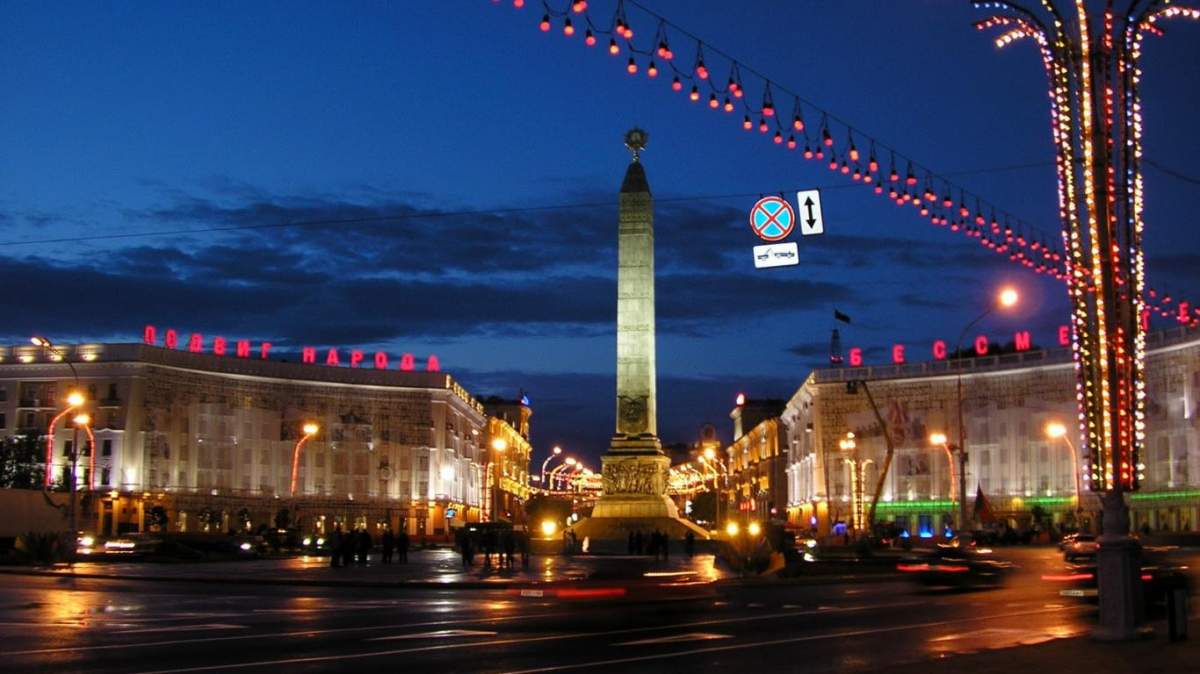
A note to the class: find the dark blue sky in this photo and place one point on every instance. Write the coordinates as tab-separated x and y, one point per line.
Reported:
127	118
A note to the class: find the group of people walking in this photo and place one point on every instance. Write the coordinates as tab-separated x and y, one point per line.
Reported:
504	544
350	547
656	543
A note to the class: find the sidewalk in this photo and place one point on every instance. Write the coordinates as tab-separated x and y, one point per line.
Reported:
433	568
1154	655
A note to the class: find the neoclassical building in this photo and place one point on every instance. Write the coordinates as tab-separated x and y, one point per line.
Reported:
210	439
1008	401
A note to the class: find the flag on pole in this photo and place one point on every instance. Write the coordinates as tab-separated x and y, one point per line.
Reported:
983	510
839	316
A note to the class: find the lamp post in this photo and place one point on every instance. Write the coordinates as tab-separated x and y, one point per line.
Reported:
940	439
1054	431
309	429
857	473
556	452
81	420
1007	298
75	400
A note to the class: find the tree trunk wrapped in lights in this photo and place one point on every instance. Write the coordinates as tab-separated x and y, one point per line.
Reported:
1092	61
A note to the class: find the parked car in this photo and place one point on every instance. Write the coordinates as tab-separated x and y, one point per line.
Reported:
1067	540
1083	546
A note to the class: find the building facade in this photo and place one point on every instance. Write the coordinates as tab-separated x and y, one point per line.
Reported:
508	427
757	460
208	441
1008	402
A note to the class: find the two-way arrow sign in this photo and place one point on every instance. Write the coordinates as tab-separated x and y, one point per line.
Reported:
811	221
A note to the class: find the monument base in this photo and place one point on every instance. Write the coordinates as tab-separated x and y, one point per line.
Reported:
634	498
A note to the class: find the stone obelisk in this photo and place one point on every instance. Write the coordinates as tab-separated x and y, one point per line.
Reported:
635	469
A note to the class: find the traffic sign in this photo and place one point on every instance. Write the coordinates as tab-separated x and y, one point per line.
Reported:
811	222
776	255
772	219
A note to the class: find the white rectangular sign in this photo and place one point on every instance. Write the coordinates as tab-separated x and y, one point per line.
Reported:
776	255
808	211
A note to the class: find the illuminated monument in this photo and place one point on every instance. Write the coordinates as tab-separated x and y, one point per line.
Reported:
635	469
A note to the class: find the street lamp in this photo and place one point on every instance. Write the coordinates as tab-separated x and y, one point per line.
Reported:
1005	299
75	400
557	451
1054	431
80	420
310	429
940	439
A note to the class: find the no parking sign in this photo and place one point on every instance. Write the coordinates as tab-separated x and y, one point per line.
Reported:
772	219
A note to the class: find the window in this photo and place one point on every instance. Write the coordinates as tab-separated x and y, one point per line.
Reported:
105	476
68	446
3	421
106	449
3	394
112	392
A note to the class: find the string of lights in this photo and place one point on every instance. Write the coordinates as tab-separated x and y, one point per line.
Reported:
844	148
1096	115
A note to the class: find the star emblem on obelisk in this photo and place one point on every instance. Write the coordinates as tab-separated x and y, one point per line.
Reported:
635	140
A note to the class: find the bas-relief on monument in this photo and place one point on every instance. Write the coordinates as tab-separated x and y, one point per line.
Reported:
635	469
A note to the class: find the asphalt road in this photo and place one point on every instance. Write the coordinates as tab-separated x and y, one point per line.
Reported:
64	624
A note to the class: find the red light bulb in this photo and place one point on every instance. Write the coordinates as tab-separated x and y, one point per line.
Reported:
545	24
894	176
568	29
778	138
652	70
873	165
833	164
701	71
797	123
713	102
808	153
878	188
695	94
676	85
947	202
762	125
632	67
791	142
579	6
518	3
747	124
728	105
853	153
826	138
768	110
612	47
589	39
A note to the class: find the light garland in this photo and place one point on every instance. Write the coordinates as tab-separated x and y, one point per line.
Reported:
701	84
1111	305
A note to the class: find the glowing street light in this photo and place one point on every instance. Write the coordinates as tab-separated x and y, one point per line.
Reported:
939	439
731	529
1007	298
754	529
498	445
1054	431
309	429
555	452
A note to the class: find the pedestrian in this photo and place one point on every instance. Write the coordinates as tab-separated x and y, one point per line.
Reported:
402	545
689	544
335	548
347	548
489	546
510	546
389	544
364	546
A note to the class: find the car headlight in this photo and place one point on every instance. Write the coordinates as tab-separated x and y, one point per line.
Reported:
245	546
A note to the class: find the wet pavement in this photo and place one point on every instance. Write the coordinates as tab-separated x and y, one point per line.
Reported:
79	624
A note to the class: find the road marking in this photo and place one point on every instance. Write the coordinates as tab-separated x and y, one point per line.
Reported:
437	634
294	633
690	636
519	640
772	642
185	628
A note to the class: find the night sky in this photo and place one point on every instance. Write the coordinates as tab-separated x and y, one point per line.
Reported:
133	118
